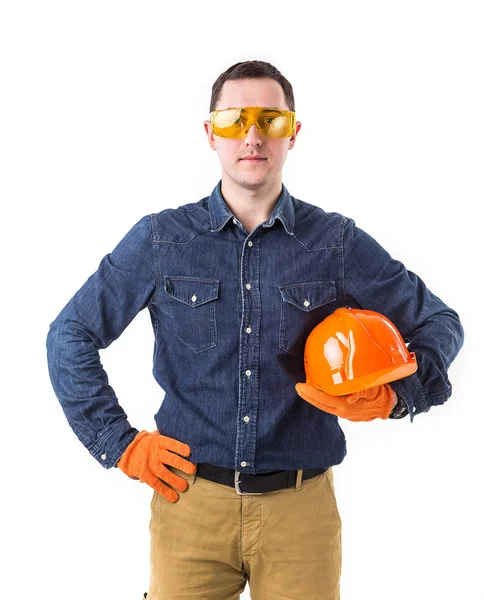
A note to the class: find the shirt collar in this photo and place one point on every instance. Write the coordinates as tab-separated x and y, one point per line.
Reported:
220	213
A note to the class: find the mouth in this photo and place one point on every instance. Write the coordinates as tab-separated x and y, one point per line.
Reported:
253	159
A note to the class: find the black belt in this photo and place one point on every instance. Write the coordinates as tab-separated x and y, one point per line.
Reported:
246	483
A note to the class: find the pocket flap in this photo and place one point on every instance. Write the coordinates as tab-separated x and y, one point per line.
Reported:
310	294
192	291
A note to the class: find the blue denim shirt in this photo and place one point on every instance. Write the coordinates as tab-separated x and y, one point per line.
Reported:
231	311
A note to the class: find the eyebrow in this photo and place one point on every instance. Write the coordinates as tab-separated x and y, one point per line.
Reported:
264	110
268	109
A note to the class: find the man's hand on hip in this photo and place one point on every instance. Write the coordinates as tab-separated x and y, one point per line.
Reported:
145	459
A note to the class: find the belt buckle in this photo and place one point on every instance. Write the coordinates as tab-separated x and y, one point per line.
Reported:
239	491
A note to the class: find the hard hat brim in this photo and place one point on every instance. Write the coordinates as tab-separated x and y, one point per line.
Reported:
350	386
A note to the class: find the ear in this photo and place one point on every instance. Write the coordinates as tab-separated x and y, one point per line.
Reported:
208	130
292	139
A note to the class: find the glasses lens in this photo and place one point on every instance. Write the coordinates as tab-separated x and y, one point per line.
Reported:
271	123
227	118
275	125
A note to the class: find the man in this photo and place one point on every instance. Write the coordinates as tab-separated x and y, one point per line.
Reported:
234	284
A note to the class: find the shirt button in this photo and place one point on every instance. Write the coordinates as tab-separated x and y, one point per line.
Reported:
194	298
247	285
103	456
234	221
247	373
243	464
306	303
248	330
249	244
246	419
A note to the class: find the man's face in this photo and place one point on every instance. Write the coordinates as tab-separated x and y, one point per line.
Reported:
251	174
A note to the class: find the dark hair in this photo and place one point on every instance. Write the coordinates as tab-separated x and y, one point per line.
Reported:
252	69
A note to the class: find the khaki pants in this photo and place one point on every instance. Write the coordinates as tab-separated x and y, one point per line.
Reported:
286	544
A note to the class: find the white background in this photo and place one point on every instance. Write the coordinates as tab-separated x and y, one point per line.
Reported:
390	96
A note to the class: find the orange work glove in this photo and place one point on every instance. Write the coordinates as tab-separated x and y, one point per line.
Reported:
145	459
372	403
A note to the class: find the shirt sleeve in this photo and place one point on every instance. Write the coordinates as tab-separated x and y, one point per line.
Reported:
373	280
124	284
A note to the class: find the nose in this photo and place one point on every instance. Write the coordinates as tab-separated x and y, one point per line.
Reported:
253	137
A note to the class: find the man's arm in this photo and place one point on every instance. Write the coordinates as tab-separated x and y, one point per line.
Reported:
96	315
373	280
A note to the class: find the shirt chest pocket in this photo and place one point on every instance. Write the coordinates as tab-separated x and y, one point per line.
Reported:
193	306
303	306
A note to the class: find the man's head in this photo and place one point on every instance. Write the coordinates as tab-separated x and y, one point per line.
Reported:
252	84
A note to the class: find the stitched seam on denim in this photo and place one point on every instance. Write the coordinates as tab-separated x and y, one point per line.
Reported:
191	278
343	260
443	396
283	343
214	283
97	446
318	213
154	320
121	452
161	241
282	327
81	436
155	258
332	246
302	283
329	287
239	426
207	345
213	324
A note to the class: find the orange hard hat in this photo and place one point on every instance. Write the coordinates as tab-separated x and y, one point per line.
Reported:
354	349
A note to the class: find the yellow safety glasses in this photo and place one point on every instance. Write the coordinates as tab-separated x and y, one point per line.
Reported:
272	123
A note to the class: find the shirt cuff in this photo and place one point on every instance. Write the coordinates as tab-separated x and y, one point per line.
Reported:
410	391
112	443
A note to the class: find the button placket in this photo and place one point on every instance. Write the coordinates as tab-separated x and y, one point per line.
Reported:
248	356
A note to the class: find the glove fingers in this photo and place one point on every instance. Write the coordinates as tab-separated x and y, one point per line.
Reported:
368	394
317	404
352	398
312	395
173	445
169	477
169	458
157	466
161	487
148	451
365	405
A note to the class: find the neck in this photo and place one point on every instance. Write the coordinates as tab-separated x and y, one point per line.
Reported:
251	206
